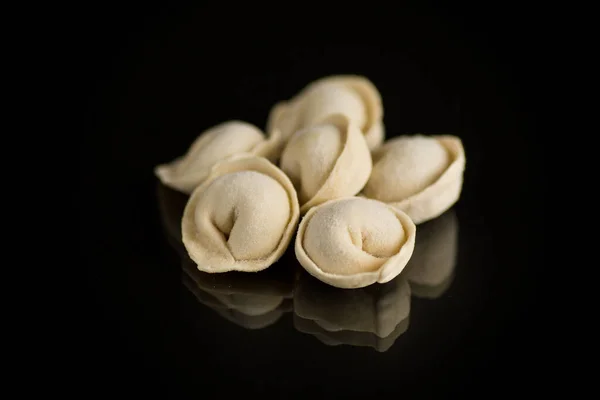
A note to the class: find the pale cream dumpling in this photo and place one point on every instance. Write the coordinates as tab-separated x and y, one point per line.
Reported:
353	96
333	98
213	145
327	161
321	143
238	203
354	242
420	175
241	218
412	164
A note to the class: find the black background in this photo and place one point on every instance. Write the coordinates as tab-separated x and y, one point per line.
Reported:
156	77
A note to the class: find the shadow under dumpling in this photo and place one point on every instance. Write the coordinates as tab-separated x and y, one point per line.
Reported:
251	300
373	316
431	268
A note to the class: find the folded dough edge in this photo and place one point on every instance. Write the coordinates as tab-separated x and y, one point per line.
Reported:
388	271
237	163
351	170
438	197
287	111
186	183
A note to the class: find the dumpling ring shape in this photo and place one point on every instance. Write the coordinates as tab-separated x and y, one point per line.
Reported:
187	172
420	175
355	242
352	95
242	218
327	161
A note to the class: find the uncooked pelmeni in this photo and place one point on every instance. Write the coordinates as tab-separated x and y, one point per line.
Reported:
327	161
241	218
420	175
354	96
355	242
213	145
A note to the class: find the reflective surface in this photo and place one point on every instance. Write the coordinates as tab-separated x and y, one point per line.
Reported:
461	320
375	316
405	326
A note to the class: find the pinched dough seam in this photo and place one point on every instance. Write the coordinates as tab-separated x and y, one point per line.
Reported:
380	275
278	175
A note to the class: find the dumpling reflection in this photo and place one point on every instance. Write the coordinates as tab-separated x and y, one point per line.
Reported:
373	316
377	315
253	301
430	270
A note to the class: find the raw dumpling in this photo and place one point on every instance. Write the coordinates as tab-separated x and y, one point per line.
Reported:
420	175
241	218
374	316
354	96
327	161
355	242
431	268
213	145
253	301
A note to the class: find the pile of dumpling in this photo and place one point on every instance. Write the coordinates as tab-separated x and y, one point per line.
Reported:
323	172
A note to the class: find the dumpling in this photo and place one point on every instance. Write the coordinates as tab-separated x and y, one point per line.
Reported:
371	316
354	96
327	161
213	145
420	175
241	218
430	271
354	242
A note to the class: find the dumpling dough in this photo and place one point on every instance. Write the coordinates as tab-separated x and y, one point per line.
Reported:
241	218
420	175
354	242
327	161
213	145
353	96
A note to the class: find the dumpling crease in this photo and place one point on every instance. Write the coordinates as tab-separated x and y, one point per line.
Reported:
241	218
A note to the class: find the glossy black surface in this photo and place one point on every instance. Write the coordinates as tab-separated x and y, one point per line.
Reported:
463	317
